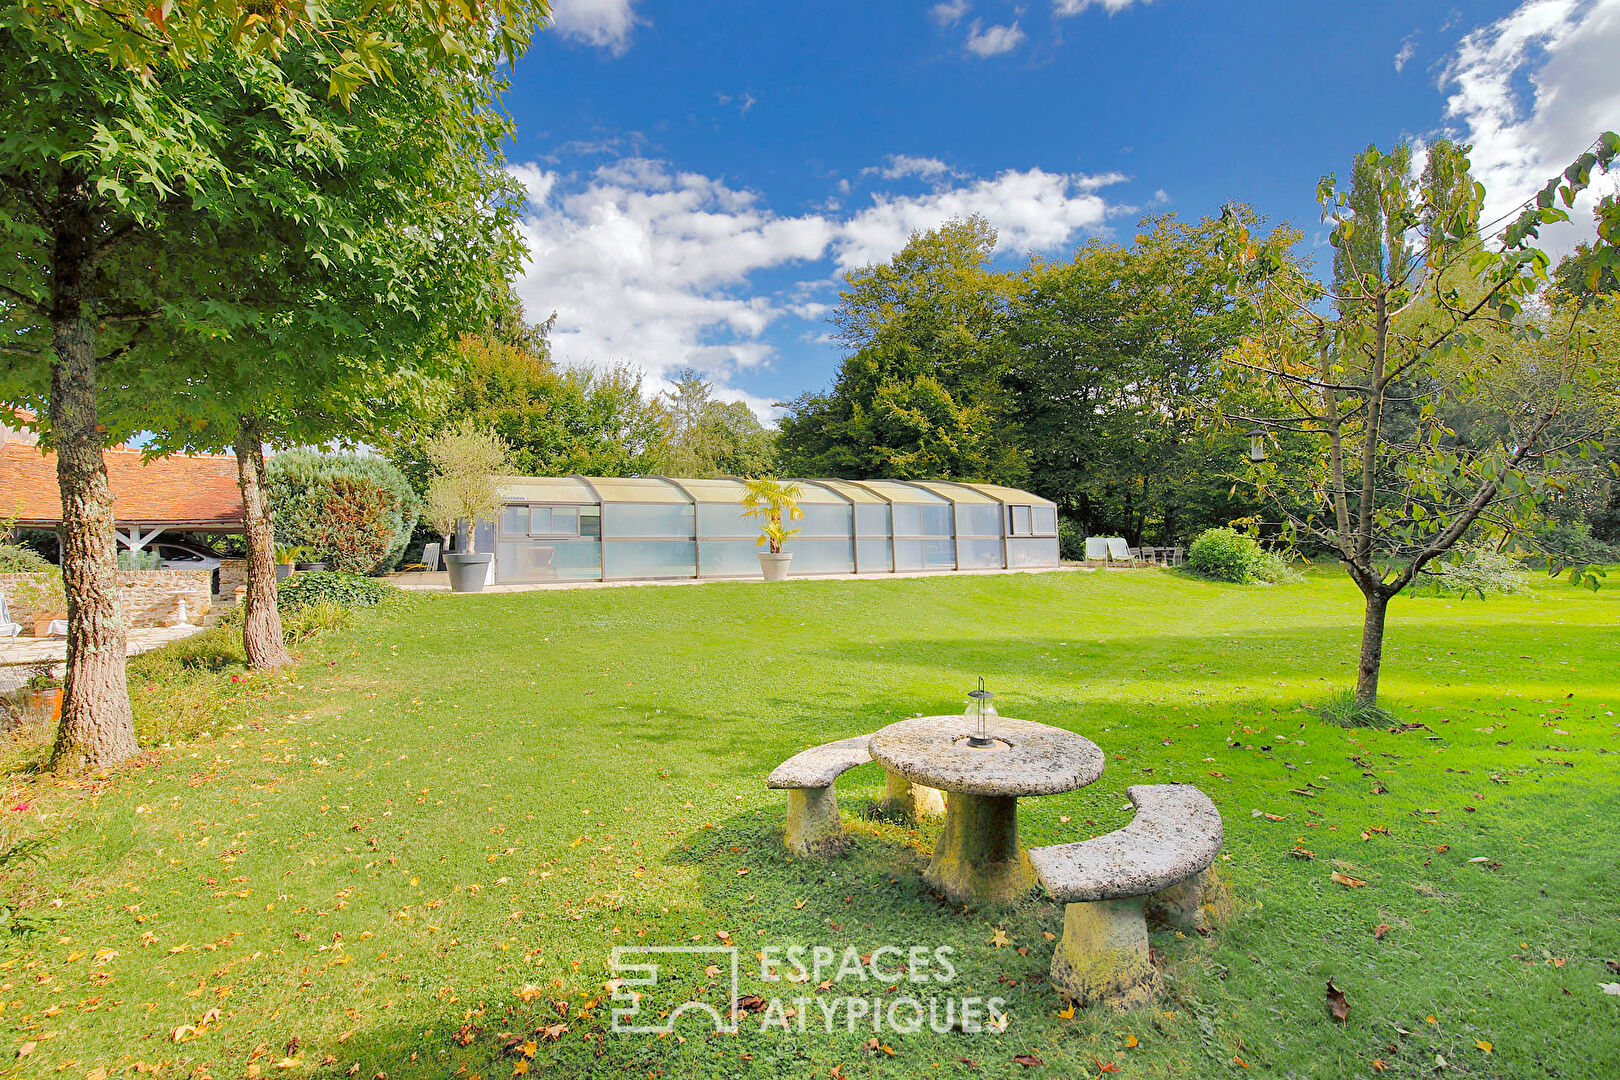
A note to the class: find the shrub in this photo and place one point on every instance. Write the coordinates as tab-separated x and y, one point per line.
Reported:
15	559
1480	571
1273	569
329	587
355	512
1071	541
1225	555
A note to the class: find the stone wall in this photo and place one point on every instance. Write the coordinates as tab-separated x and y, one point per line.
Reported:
232	575
149	597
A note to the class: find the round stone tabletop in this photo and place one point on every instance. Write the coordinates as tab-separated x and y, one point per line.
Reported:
1030	759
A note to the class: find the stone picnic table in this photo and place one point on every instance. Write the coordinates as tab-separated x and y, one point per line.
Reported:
978	857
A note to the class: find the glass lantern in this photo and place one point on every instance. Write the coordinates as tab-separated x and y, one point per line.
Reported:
1257	445
981	713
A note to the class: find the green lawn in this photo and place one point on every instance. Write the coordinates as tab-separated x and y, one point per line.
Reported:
434	832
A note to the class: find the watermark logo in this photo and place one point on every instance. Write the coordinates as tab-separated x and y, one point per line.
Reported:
889	989
650	980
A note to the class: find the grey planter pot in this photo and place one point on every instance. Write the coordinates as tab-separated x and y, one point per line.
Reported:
283	571
775	567
467	570
306	566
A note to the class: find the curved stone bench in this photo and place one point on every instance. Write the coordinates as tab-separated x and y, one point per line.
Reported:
1160	864
813	827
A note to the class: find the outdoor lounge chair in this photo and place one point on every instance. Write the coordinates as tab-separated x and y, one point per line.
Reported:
9	628
1096	549
1120	552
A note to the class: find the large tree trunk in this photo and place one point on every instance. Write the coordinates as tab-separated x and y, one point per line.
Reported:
1372	648
98	726
261	626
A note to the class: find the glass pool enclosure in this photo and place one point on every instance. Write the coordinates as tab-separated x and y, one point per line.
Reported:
577	528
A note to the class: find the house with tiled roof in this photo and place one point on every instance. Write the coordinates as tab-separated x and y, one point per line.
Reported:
182	492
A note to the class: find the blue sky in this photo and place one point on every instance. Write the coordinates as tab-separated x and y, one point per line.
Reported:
700	174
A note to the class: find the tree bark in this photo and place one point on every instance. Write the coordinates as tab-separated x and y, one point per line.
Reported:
1372	648
98	725
261	625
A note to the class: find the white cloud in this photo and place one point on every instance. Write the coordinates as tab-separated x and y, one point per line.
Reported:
1531	91
949	13
603	23
1065	8
900	166
1408	49
993	40
1033	210
655	267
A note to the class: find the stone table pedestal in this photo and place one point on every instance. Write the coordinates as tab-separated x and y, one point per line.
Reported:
978	858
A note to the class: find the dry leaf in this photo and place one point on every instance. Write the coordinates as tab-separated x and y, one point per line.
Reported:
1028	1061
1338	1008
528	992
1380	930
1131	1042
1000	939
1483	1045
1066	1014
1346	879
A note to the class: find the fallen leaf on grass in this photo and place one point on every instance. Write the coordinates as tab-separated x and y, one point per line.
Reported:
1346	879
528	992
1610	988
1380	930
1240	1063
1106	1066
1028	1061
1378	1065
26	1048
1483	1045
1066	1014
1131	1041
1337	1005
1000	939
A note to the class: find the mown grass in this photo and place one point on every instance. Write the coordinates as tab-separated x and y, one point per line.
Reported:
435	830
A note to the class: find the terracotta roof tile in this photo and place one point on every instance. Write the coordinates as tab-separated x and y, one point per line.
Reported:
195	490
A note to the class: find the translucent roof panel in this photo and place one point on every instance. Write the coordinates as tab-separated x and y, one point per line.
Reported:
544	489
638	489
817	491
1011	495
854	492
903	493
714	491
955	492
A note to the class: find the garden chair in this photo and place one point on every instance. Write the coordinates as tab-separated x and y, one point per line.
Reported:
1096	549
1119	551
9	628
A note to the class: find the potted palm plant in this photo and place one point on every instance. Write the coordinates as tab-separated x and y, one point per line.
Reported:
769	500
463	492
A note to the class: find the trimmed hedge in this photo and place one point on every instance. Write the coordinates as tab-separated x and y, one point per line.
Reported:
355	512
329	587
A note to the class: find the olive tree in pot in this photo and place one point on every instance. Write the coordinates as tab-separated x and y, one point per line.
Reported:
465	462
768	500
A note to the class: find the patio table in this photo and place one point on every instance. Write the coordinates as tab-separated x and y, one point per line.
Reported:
978	857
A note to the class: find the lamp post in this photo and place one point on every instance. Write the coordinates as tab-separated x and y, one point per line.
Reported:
982	712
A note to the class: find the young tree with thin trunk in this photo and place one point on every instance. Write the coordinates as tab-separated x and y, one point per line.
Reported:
1363	383
139	141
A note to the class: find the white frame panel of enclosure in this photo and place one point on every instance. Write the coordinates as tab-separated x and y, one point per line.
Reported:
863	501
910	505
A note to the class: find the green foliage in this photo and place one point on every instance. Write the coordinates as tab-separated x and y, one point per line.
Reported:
314	619
1474	571
1225	554
595	422
709	437
921	393
14	558
1344	709
354	512
1071	540
329	587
